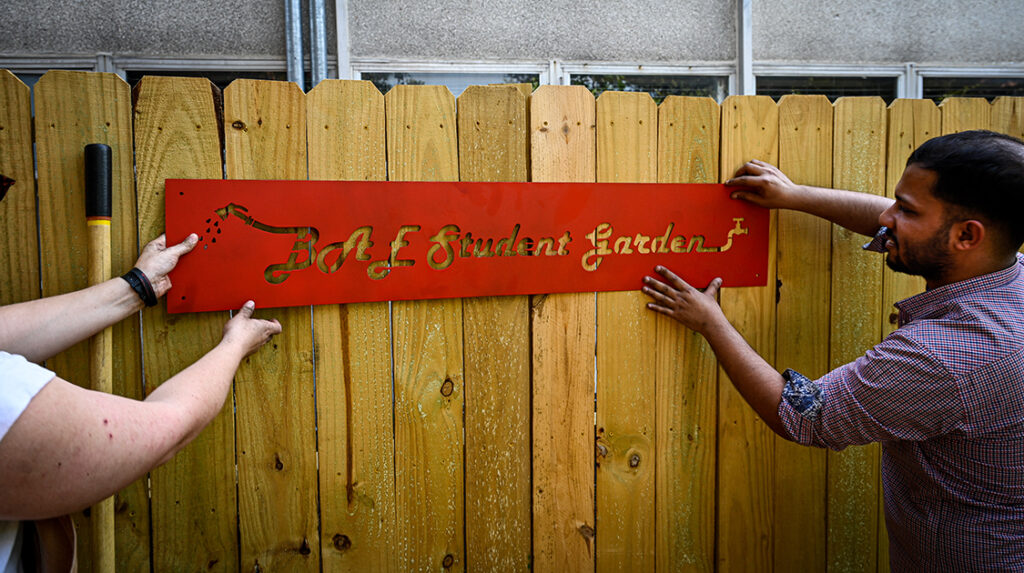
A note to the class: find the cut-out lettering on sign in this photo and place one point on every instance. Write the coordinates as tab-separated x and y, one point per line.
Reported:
288	243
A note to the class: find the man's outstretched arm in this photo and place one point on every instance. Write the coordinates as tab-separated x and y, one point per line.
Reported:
767	186
759	384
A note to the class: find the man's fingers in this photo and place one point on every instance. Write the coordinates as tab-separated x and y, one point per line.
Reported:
713	286
659	309
673	280
657	295
247	309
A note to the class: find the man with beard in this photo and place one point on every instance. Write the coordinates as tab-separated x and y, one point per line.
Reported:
944	393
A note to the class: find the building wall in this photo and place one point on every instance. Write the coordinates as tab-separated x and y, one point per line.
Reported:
169	28
604	30
886	31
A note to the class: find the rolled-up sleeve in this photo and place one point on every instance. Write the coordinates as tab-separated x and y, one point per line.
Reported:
896	391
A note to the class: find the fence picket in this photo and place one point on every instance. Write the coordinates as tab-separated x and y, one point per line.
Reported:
493	147
627	152
195	511
265	138
964	113
746	446
74	109
686	371
853	490
345	122
911	123
1008	118
429	375
19	244
562	148
804	262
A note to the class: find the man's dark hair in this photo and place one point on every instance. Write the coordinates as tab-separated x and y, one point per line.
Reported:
982	173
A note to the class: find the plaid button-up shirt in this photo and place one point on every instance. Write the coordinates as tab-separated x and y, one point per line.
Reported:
944	394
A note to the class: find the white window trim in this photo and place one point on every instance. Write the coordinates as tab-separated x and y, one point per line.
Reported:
393	66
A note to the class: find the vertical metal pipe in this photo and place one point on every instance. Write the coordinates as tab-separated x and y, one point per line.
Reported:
317	41
293	32
745	84
344	57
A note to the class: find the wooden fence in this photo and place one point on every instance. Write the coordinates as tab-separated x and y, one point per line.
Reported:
466	434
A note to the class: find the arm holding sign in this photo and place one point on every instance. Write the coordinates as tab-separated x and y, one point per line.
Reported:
43	328
65	447
764	185
767	186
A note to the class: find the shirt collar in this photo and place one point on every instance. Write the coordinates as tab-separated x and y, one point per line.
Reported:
933	302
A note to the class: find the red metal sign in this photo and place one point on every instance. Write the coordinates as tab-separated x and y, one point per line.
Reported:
288	243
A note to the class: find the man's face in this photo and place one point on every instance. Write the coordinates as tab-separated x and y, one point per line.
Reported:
919	224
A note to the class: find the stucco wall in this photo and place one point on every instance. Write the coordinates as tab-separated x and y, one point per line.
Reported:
641	31
886	31
183	28
612	30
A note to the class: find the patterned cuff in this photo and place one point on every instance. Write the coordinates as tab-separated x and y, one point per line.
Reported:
877	244
802	393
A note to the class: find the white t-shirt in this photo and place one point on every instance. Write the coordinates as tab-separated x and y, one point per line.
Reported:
20	381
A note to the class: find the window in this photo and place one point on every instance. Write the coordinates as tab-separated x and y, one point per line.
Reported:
457	82
221	79
938	88
659	86
833	87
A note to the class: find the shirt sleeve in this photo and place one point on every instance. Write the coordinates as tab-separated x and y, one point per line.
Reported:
896	391
20	381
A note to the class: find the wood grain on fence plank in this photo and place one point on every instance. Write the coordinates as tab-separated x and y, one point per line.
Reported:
345	121
965	113
746	445
74	109
265	138
19	243
1008	118
804	265
627	152
195	511
562	148
911	123
686	371
429	395
493	147
853	488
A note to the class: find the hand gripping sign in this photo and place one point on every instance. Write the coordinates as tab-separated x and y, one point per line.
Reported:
288	243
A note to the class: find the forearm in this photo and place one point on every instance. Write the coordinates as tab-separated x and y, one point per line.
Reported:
198	392
42	328
855	211
758	383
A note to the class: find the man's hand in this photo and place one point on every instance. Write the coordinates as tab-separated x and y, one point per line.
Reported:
766	186
157	259
248	334
695	309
